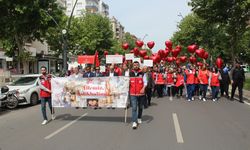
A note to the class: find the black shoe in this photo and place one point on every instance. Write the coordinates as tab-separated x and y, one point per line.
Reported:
231	99
241	101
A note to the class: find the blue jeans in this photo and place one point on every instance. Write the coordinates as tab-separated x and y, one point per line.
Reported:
190	90
203	88
215	91
136	101
43	106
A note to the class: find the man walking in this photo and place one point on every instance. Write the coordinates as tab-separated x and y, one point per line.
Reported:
138	83
238	78
45	94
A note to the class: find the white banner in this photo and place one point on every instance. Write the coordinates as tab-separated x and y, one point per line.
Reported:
114	59
90	92
148	63
129	56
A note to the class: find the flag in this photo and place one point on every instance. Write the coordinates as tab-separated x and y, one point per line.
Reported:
97	62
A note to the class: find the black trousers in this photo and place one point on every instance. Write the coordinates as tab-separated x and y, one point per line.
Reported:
171	91
159	88
148	97
240	87
179	90
224	88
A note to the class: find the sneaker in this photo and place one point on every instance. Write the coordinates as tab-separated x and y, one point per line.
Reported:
139	121
192	98
214	100
53	117
134	125
204	99
200	97
44	122
189	100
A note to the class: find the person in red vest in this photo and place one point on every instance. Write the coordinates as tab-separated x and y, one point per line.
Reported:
169	81
179	82
45	94
138	83
190	74
159	82
215	83
196	83
203	77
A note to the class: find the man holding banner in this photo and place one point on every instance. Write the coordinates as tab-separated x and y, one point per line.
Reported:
138	83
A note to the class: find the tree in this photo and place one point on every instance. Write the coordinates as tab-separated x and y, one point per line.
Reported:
26	20
232	15
91	32
195	30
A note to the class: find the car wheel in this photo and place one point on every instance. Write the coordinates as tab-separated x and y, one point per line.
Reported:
12	102
33	99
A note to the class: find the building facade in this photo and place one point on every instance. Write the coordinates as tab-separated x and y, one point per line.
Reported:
117	28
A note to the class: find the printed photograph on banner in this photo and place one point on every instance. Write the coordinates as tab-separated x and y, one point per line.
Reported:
90	92
148	63
114	59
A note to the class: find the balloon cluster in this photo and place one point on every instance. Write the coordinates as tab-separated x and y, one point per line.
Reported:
170	54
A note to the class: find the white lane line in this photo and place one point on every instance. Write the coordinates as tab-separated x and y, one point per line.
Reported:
64	127
247	103
177	129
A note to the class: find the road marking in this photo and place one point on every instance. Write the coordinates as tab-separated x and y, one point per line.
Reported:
177	129
64	127
247	103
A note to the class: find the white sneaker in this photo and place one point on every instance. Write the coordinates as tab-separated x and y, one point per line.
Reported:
192	98
214	100
134	125
200	97
204	99
53	117
139	121
44	122
189	100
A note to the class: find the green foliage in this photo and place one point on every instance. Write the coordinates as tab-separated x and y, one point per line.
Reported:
247	84
231	15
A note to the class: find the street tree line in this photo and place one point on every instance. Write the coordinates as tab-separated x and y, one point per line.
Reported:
221	27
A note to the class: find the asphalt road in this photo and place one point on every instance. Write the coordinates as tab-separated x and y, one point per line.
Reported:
167	125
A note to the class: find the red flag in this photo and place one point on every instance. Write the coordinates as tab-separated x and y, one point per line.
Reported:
97	62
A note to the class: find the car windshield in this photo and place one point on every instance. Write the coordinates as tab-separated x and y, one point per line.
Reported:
25	81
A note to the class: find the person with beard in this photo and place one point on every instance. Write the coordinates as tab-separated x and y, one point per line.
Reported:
137	85
44	83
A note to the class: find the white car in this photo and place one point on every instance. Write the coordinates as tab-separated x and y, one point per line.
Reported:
28	88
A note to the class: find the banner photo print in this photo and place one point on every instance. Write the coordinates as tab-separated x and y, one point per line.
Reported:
90	92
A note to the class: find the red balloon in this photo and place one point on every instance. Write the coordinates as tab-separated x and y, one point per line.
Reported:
192	48
219	62
166	53
192	59
169	44
136	51
151	44
105	53
143	53
205	55
146	57
161	53
183	59
178	47
125	46
200	52
139	43
199	64
178	62
170	59
175	52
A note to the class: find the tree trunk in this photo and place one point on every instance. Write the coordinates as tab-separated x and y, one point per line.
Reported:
20	47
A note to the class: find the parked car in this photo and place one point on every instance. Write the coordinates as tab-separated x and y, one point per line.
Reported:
27	87
245	68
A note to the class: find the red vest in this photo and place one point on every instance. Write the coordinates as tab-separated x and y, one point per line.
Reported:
180	80
159	78
196	80
215	80
45	81
169	79
190	76
203	76
136	84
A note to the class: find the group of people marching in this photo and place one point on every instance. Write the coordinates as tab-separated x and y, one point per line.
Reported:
169	81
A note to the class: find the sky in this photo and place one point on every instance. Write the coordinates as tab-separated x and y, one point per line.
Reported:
157	19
